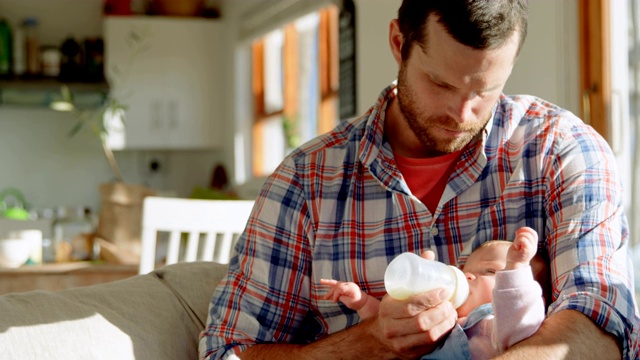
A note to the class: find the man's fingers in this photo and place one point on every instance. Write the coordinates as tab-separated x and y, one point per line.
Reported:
431	336
420	321
415	304
420	333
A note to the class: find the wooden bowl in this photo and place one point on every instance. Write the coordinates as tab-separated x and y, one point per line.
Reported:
177	7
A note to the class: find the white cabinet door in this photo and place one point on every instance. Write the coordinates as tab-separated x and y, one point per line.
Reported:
170	81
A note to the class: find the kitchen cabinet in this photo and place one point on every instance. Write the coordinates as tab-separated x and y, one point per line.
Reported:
168	73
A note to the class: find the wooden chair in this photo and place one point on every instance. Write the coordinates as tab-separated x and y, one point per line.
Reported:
186	222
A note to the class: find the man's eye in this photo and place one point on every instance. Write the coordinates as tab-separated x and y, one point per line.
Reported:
440	85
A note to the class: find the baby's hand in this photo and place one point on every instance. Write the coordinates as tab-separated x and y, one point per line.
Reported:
523	249
348	293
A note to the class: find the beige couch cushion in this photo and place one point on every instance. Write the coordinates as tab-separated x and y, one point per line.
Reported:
154	316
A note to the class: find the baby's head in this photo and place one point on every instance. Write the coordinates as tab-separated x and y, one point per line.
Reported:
481	267
480	270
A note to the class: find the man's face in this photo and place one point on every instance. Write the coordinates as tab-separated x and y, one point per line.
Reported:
446	92
480	270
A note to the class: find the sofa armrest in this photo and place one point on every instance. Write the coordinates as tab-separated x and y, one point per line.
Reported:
154	316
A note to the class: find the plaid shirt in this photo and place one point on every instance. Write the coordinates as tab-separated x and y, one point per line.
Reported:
338	208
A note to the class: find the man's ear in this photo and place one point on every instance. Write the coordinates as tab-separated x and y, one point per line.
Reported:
396	39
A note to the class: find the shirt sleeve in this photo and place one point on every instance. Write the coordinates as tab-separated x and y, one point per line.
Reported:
518	307
265	294
588	236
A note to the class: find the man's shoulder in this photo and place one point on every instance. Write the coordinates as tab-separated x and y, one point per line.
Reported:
531	106
524	118
535	113
345	136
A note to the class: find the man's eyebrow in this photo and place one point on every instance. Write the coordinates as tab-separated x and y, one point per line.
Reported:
439	81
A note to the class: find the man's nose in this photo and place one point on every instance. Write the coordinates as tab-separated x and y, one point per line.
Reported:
461	109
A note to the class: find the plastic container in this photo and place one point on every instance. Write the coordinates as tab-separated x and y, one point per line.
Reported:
409	274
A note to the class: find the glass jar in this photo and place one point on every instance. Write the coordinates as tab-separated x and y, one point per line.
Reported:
73	234
32	46
48	248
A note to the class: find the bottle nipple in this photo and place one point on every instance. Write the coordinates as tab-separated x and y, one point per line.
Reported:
461	290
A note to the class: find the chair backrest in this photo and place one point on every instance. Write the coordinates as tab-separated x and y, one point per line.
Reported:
187	221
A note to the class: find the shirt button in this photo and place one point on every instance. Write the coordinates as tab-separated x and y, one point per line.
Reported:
434	231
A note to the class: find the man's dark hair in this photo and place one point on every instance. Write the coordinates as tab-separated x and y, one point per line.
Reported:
480	24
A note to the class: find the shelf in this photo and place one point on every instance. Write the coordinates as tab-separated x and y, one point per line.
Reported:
41	92
52	84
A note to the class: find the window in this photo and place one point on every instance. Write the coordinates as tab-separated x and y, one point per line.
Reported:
295	82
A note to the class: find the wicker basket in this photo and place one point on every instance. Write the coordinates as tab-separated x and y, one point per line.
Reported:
121	215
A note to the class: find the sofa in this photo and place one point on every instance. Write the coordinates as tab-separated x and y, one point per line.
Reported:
154	316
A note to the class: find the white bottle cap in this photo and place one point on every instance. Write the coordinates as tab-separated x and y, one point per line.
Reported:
461	291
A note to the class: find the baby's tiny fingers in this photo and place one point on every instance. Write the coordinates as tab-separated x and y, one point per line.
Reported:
330	295
328	281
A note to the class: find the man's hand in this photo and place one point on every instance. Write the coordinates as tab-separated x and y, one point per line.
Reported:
414	327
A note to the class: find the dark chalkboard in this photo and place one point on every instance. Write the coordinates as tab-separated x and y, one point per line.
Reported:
347	53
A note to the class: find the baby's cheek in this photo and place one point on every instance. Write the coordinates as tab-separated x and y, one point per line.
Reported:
486	289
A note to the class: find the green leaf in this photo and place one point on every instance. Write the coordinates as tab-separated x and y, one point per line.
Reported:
66	94
76	128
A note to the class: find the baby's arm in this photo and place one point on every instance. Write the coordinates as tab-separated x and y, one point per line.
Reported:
523	249
349	293
517	298
518	307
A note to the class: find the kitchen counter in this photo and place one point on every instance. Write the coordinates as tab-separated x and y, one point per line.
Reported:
61	276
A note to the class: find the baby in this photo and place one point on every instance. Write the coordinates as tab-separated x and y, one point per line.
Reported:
505	303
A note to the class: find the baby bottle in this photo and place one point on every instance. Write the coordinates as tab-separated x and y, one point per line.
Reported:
409	274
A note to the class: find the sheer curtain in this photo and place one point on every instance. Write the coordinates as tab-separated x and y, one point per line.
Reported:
634	107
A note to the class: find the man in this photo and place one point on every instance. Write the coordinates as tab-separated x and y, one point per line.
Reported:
443	162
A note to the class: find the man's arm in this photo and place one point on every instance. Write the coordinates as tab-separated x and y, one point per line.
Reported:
337	346
401	330
566	335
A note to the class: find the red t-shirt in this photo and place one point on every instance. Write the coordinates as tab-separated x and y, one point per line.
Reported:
427	177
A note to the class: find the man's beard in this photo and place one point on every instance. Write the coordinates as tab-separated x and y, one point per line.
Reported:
423	127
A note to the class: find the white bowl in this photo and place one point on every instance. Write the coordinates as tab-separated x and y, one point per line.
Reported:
14	252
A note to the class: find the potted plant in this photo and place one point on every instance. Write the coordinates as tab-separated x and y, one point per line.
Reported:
121	202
